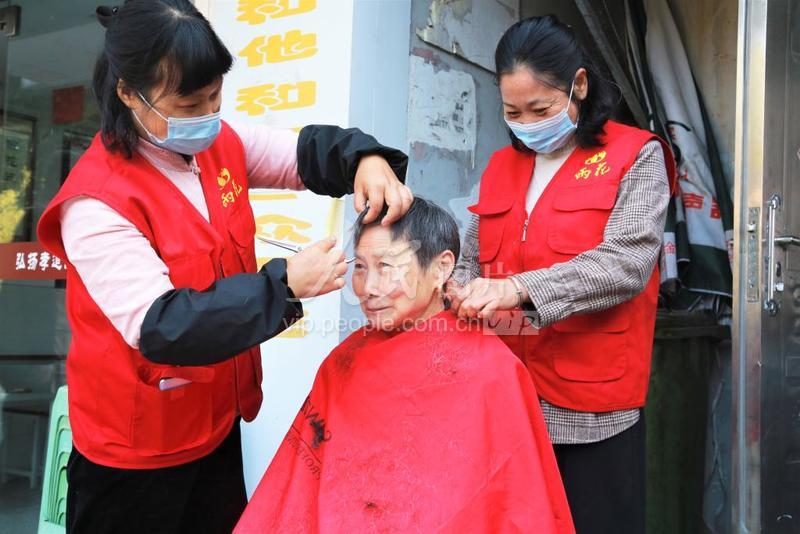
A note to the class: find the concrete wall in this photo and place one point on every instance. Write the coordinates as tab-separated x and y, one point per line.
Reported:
378	97
452	133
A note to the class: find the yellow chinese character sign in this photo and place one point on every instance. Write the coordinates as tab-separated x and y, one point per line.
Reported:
293	68
258	11
258	99
283	228
291	46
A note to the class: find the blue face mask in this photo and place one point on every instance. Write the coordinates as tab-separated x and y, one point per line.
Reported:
185	135
547	135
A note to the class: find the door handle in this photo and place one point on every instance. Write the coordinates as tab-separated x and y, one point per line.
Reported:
787	240
771	305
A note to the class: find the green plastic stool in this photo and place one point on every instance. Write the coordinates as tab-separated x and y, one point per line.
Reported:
52	515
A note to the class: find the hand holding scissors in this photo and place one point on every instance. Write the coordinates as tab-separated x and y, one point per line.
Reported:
291	247
315	270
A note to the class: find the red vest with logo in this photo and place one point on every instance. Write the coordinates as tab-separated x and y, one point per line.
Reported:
119	416
593	362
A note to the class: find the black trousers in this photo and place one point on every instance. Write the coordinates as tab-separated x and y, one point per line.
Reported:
206	495
605	482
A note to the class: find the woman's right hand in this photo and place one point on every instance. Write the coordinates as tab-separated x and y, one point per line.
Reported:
482	297
316	270
456	294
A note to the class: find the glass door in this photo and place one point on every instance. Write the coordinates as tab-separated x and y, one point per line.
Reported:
47	118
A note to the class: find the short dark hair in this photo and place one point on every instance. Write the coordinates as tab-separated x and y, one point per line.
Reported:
551	50
424	223
149	42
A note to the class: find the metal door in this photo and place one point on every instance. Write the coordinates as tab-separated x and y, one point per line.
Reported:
766	448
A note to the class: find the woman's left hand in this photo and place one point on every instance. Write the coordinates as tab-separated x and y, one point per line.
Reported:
484	296
377	184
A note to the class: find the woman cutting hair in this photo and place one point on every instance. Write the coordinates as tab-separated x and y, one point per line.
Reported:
166	308
568	227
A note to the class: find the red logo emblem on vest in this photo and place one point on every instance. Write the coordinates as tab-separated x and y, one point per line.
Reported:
229	188
594	165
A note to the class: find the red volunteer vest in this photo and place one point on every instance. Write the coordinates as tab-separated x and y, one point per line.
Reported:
119	416
594	362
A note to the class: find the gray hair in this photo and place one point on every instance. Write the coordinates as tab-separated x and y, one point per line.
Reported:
426	225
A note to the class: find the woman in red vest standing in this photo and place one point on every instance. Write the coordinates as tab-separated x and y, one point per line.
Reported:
166	307
565	237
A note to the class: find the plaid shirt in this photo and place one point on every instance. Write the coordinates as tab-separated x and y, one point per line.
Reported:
611	273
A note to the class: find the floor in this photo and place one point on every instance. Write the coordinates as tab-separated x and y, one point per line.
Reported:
19	506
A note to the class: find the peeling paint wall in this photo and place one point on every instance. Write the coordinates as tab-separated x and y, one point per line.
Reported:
455	116
441	107
463	27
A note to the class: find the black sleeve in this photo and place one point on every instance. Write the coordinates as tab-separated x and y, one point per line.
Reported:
328	156
188	327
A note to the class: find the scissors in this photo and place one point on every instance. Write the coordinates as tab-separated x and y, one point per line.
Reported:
289	246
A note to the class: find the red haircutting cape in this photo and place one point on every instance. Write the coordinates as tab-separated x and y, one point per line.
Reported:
436	429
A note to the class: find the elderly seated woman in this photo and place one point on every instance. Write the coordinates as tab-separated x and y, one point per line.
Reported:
416	422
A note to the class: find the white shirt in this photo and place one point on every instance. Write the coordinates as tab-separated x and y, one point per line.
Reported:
547	165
